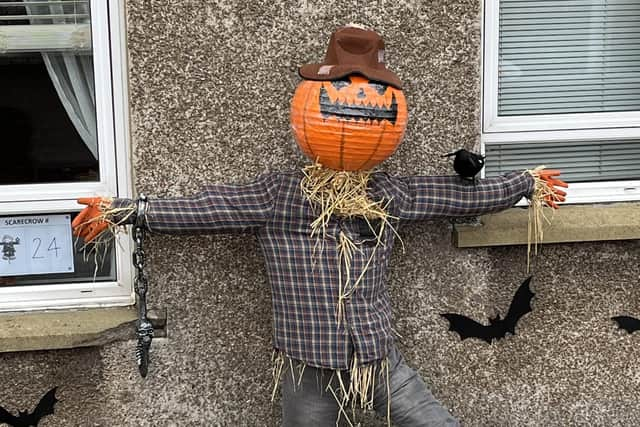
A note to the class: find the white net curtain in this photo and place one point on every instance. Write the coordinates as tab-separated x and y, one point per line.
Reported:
65	43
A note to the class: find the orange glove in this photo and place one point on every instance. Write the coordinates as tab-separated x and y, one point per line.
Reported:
555	194
88	224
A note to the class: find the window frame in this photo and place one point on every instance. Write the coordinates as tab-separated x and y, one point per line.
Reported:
111	80
546	128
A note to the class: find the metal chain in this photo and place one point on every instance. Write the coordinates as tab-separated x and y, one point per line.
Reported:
144	329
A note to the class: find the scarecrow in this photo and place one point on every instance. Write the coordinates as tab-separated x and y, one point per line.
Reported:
327	232
8	247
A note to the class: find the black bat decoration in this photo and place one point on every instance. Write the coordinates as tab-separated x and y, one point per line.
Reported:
497	328
26	419
629	324
466	163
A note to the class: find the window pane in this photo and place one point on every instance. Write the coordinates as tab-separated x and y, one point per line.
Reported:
47	108
569	56
581	161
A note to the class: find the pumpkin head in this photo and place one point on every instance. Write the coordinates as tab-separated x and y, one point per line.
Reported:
348	124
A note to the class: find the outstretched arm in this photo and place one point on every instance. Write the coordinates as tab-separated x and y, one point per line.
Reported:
431	197
217	208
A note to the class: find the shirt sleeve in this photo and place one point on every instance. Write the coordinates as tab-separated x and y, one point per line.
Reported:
217	208
432	197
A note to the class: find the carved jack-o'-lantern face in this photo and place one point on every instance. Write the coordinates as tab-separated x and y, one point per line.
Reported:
348	124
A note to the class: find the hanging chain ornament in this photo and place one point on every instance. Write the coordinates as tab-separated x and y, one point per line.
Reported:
144	330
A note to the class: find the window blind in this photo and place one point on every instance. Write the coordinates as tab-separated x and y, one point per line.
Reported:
45	26
568	56
579	161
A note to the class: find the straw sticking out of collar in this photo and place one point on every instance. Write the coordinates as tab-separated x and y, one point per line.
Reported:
343	194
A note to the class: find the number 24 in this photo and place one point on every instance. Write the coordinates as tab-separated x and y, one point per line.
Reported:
53	246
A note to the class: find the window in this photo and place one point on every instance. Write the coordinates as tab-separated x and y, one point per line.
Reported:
561	88
63	123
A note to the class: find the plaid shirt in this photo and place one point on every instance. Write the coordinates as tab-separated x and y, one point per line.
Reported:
304	282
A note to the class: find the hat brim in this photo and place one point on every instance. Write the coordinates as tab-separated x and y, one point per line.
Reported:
310	72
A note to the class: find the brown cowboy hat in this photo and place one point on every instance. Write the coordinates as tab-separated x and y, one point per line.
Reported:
352	50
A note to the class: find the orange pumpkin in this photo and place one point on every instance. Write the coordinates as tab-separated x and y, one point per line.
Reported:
348	124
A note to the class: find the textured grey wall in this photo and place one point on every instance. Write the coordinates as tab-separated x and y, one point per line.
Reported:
210	88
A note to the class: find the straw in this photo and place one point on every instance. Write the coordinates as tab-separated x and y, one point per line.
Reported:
537	212
343	194
99	246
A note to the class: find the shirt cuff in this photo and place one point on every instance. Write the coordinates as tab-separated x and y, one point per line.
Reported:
125	211
521	182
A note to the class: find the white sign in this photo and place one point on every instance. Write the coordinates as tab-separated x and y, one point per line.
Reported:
37	244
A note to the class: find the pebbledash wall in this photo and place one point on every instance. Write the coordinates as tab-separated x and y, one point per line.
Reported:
210	85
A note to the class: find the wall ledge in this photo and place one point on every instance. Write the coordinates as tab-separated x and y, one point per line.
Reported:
60	329
570	223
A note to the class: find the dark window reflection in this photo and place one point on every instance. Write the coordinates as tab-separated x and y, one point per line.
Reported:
39	142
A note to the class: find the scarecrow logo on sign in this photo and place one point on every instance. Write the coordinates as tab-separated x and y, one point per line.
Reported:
8	247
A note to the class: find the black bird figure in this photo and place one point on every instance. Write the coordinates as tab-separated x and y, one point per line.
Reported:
467	164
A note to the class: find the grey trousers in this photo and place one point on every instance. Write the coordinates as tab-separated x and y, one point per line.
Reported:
309	404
